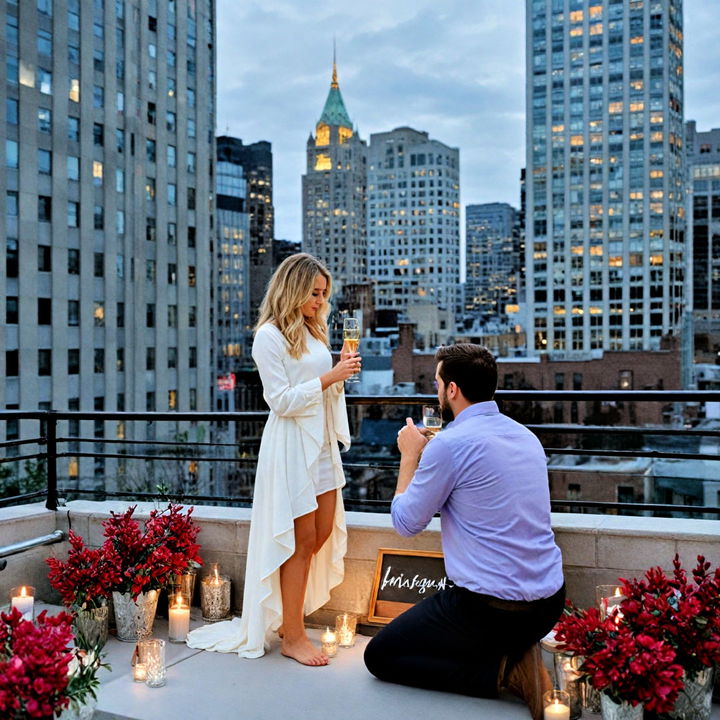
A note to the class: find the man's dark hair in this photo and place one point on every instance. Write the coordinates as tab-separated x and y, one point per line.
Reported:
471	367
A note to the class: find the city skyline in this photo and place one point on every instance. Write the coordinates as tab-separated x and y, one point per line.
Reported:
428	80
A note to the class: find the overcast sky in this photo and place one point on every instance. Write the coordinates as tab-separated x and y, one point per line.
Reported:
454	68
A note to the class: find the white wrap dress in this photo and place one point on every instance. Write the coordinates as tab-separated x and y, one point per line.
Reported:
304	423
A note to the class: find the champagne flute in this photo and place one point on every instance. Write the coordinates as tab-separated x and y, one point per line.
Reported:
432	418
351	338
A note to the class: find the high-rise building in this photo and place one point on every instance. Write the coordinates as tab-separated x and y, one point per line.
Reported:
233	321
703	160
492	260
413	220
605	208
334	193
257	163
110	113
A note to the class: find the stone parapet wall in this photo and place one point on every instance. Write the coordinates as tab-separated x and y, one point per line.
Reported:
596	548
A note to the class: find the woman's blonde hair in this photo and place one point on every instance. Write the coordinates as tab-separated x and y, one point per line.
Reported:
289	289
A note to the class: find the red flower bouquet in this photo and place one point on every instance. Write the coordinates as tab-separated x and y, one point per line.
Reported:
144	559
681	612
86	580
34	660
630	667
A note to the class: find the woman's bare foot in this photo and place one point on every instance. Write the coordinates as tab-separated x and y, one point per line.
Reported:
303	651
281	631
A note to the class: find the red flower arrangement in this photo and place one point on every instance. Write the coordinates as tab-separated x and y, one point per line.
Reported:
34	660
85	581
144	559
683	613
630	667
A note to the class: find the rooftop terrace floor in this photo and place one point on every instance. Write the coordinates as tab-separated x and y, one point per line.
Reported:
203	685
209	685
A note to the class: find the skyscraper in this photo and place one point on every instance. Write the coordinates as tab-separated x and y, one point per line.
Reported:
413	220
605	220
256	161
491	259
110	111
233	322
334	193
703	159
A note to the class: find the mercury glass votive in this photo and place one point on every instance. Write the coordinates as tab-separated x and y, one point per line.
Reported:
154	653
215	595
329	642
345	625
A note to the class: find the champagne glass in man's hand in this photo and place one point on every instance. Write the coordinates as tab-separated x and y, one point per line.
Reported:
432	418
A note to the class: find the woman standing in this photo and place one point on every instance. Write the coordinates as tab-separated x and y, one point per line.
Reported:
297	532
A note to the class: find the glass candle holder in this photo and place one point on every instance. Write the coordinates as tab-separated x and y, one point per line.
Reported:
154	653
138	664
178	615
345	625
215	595
608	597
569	678
23	598
329	643
556	705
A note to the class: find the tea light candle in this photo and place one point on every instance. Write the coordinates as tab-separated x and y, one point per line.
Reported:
329	643
345	629
23	599
178	618
215	595
139	672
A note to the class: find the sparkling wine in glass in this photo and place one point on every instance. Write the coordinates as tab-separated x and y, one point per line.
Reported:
351	338
432	419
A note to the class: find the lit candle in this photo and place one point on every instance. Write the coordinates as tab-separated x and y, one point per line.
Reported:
329	643
345	629
22	599
139	672
215	595
179	618
557	711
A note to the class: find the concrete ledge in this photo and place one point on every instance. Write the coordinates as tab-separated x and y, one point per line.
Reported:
596	548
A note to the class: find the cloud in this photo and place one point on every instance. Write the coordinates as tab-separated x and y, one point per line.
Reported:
455	69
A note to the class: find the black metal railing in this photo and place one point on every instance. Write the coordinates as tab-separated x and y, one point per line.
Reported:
51	447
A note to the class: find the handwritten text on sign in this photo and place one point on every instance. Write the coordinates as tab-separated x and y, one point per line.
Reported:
417	583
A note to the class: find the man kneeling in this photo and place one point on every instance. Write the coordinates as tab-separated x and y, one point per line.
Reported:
487	476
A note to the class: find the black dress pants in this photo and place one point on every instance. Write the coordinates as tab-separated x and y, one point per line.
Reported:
454	641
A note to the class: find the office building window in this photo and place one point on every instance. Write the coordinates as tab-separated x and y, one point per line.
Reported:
44	116
44	311
12	154
12	363
11	111
150	358
74	369
73	167
73	214
73	313
44	258
44	208
150	315
99	361
44	162
99	264
121	314
44	81
44	362
99	217
12	310
171	357
11	257
73	261
73	128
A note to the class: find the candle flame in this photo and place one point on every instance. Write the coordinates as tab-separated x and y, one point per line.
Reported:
23	592
217	575
617	592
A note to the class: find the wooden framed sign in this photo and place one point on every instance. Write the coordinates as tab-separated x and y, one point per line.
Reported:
404	578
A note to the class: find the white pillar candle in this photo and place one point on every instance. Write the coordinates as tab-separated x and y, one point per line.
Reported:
179	622
22	599
557	711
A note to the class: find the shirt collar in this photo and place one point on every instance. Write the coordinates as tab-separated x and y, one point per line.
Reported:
489	407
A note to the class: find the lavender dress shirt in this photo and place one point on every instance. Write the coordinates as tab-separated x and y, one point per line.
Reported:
487	476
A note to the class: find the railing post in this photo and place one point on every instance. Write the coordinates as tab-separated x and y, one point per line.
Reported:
51	437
